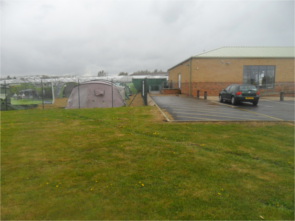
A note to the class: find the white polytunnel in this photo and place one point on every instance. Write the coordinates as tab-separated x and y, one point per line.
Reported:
96	94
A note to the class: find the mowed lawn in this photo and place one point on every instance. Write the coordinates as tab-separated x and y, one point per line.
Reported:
127	163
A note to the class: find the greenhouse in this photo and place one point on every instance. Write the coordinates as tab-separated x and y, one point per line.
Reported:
96	94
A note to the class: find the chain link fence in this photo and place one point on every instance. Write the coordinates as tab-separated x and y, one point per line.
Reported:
45	93
26	95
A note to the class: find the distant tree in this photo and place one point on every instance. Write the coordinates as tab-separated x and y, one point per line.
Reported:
44	77
123	74
147	72
102	73
142	72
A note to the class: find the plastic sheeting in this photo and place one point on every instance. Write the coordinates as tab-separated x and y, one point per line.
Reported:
96	94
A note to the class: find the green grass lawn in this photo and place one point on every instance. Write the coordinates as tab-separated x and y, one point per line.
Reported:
28	101
126	163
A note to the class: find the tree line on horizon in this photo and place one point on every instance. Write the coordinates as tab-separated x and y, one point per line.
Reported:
102	73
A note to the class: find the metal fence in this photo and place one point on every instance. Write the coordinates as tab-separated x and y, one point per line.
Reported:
43	93
286	88
26	95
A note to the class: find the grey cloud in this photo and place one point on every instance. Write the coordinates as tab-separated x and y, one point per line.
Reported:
85	36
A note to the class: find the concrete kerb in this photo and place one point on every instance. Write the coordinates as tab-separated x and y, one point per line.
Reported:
151	102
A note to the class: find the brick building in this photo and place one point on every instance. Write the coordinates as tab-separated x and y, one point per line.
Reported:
269	68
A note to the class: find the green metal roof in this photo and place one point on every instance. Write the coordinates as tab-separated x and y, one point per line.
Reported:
249	52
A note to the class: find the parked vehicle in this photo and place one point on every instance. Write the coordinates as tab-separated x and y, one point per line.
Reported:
237	93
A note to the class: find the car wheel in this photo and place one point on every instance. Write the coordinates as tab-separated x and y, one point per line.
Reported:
255	103
220	99
233	100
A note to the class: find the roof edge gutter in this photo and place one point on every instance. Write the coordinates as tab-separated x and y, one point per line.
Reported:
227	57
186	60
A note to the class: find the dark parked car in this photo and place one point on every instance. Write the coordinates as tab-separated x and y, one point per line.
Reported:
236	93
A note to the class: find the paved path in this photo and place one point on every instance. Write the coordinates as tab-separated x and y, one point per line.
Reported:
191	109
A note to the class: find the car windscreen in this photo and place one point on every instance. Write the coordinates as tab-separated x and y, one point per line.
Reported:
248	88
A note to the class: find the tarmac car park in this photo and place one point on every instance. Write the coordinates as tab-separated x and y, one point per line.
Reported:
182	108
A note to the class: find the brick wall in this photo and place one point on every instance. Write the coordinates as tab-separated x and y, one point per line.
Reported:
170	91
213	88
285	87
214	74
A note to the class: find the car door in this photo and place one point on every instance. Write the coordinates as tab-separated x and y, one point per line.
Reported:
233	90
227	93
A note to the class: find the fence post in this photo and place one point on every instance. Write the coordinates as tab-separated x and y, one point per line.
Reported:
6	106
52	90
281	96
198	94
205	95
42	88
144	91
79	92
142	88
112	93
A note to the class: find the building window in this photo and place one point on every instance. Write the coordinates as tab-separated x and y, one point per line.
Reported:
260	75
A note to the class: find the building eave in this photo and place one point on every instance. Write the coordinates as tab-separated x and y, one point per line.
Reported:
227	57
181	63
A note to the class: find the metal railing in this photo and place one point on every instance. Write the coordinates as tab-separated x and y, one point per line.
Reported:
42	93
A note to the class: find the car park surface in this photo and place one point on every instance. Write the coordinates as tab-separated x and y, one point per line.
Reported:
183	108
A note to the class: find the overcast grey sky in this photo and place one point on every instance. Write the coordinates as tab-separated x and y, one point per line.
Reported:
58	37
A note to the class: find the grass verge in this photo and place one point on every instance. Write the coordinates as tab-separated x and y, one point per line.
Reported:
126	163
